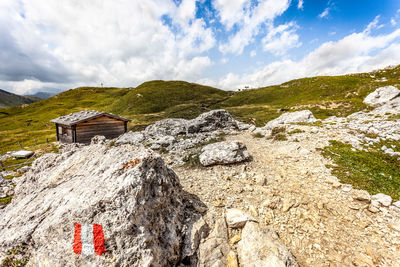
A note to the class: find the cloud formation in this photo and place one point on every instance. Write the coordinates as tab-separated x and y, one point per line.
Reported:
56	45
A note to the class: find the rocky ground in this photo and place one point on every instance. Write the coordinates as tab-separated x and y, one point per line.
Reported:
261	200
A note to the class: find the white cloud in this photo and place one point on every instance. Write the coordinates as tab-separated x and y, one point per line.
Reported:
280	39
300	4
253	53
120	43
250	22
325	13
358	52
230	11
393	22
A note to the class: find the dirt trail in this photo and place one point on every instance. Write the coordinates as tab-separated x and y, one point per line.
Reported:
288	187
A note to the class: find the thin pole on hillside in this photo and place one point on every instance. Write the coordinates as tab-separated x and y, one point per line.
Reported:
20	145
2	166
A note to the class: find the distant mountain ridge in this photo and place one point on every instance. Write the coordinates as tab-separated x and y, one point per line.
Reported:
43	95
8	99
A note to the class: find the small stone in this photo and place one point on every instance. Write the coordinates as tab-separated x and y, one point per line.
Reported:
235	239
218	204
361	195
287	204
232	259
395	226
383	199
373	208
362	260
269	216
397	204
261	180
236	218
253	211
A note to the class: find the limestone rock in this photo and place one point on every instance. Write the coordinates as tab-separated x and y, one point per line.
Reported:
224	153
133	138
262	247
361	195
130	192
214	250
381	96
211	121
236	218
172	127
292	117
197	231
397	204
232	259
382	199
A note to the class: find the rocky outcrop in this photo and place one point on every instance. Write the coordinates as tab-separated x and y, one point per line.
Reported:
224	153
262	247
129	191
286	118
211	121
214	250
381	96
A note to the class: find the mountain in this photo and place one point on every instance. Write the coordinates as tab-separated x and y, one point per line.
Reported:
8	99
151	101
43	95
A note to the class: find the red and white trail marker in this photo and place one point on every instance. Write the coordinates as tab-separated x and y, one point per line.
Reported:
88	239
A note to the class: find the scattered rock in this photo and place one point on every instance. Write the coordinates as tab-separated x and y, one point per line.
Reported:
382	95
237	218
224	153
361	195
211	121
235	239
214	250
133	138
397	204
232	259
383	199
292	117
262	247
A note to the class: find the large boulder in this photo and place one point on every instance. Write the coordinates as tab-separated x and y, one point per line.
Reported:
286	118
136	199
224	153
292	117
262	247
211	121
382	95
167	127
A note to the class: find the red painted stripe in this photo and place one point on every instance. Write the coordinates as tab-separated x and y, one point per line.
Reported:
98	239
77	246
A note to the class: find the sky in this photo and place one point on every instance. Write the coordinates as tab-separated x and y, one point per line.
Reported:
229	44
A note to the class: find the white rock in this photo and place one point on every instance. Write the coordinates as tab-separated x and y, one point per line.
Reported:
383	199
262	247
381	96
292	117
224	153
130	192
397	204
236	218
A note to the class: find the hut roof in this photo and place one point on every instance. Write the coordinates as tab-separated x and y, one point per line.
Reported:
84	115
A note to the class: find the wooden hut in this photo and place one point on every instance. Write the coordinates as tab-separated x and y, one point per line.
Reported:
80	127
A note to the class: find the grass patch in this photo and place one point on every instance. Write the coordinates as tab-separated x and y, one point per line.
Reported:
192	160
16	257
372	170
295	131
5	200
258	135
280	137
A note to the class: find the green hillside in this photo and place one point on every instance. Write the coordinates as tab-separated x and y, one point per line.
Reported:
8	99
324	95
155	100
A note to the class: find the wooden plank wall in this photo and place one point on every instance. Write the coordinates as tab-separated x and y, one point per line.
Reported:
65	138
109	127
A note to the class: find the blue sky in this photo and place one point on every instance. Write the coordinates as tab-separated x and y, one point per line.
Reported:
229	44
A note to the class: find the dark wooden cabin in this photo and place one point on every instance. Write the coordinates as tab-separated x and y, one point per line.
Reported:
82	126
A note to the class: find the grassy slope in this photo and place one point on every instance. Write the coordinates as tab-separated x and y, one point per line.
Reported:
324	96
